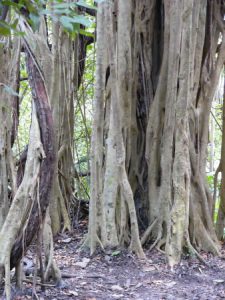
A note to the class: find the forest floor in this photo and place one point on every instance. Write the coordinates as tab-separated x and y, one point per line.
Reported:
120	275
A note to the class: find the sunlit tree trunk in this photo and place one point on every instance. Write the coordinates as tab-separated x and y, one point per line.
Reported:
32	197
40	204
155	80
9	60
62	68
61	72
220	222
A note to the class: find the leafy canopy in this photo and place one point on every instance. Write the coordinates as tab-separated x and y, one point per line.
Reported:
56	10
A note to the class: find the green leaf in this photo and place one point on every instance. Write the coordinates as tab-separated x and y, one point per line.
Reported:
82	3
76	27
61	12
15	23
82	20
86	33
64	5
66	22
46	12
35	20
9	3
4	31
116	253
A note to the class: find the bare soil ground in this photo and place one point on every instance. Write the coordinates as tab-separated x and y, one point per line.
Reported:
120	275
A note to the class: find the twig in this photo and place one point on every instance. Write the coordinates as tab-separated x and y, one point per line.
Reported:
39	283
216	121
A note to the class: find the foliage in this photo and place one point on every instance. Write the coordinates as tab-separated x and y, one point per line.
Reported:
83	120
57	10
25	111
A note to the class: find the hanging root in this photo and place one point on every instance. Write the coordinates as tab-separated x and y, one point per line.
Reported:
64	213
19	274
160	244
137	250
52	269
127	194
5	270
193	250
88	244
66	227
158	239
148	231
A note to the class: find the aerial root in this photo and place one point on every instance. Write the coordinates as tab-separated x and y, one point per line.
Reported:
6	268
135	247
160	244
87	243
19	274
66	227
159	237
192	249
100	243
148	231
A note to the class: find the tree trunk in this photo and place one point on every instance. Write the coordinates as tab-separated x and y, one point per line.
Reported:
150	129
220	222
45	120
54	78
32	197
9	60
62	68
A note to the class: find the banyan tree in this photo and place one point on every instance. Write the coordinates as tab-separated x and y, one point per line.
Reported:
158	65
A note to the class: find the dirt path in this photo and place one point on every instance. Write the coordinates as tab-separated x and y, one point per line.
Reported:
120	275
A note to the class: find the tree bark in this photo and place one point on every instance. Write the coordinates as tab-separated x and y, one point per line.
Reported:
155	80
47	167
220	222
9	59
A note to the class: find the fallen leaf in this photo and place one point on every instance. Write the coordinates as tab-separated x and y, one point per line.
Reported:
107	258
170	283
157	282
218	281
138	285
66	241
128	283
148	281
116	288
83	264
148	269
117	296
71	293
